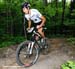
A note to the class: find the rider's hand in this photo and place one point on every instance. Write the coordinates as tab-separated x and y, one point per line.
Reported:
28	28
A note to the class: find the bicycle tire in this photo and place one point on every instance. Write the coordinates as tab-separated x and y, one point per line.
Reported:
18	60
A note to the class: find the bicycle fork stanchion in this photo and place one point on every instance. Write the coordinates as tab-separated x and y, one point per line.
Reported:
32	44
30	47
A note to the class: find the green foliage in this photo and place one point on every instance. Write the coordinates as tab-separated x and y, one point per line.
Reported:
11	19
71	40
50	10
8	40
68	65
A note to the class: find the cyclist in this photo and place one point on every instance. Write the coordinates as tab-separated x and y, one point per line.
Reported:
35	16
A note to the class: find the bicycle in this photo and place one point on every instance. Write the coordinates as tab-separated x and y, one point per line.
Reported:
28	52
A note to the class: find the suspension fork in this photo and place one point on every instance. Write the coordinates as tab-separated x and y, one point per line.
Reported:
30	47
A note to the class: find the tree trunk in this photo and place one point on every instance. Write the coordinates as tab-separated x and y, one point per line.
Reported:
24	26
7	31
71	8
56	15
45	2
11	19
63	15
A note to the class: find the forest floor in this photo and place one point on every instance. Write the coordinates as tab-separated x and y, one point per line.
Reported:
60	52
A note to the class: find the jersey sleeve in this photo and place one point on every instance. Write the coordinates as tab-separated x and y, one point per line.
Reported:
38	13
27	17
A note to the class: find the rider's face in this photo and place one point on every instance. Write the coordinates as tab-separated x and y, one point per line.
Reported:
25	10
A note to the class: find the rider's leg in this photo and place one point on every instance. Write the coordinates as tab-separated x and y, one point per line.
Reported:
43	36
41	32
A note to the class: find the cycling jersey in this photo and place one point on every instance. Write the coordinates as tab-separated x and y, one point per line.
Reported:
34	16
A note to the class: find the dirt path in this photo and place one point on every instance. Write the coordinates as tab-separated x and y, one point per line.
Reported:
60	52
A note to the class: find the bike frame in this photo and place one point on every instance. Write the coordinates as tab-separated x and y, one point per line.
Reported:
34	40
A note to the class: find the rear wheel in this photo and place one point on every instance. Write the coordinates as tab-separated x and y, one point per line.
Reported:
23	57
46	47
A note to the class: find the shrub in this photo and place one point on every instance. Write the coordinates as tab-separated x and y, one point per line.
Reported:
68	65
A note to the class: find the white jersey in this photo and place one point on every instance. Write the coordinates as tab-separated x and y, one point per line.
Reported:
34	16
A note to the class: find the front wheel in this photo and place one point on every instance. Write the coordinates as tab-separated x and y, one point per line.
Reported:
23	57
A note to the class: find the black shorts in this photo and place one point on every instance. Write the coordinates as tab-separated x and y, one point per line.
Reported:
35	24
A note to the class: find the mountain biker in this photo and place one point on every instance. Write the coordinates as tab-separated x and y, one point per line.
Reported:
35	16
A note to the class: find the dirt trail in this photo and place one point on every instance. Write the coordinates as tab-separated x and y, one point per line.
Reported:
60	52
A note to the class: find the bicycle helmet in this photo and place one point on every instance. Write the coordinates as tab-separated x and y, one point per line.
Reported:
26	5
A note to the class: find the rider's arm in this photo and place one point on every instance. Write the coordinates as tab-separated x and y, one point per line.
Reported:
29	24
43	19
29	21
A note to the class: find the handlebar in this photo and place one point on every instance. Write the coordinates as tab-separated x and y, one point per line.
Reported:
30	30
34	29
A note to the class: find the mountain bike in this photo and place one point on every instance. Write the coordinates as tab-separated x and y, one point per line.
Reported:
28	51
